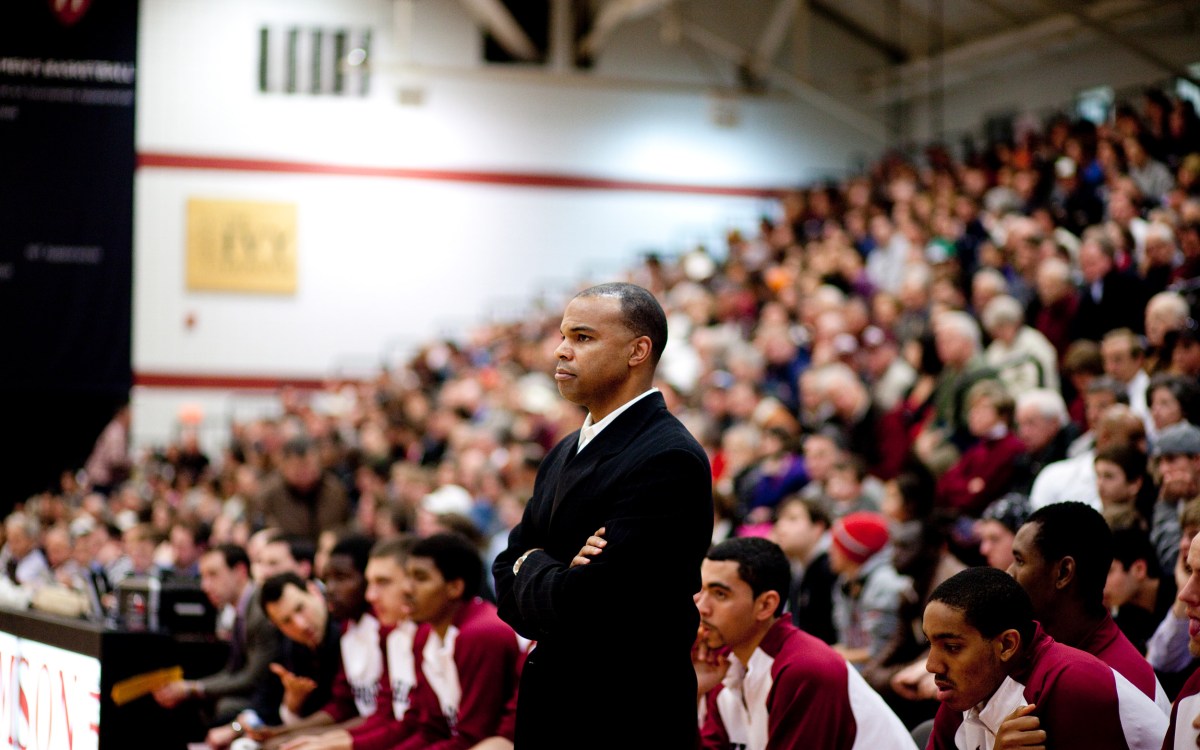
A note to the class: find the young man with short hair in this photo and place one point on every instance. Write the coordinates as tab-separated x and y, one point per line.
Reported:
283	553
762	682
801	530
998	673
1061	557
379	662
467	657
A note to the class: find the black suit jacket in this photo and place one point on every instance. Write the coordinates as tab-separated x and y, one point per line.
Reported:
612	665
1122	305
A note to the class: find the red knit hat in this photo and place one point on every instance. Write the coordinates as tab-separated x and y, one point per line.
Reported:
860	535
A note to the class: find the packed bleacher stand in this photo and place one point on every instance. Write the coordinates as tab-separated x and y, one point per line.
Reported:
958	320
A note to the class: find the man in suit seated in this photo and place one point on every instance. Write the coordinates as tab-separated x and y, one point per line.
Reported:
254	642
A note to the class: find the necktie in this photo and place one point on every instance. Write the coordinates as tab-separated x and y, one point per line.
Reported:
237	643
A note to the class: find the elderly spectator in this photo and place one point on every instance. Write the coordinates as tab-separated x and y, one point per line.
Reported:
1023	358
21	561
957	339
1165	312
1053	311
1046	429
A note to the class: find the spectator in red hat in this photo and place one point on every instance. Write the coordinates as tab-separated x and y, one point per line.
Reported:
866	601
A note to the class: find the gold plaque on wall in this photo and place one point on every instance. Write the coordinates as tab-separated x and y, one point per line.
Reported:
241	246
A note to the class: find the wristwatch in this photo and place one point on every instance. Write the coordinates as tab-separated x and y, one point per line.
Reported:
237	727
521	559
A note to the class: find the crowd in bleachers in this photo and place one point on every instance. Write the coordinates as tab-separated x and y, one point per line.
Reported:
913	359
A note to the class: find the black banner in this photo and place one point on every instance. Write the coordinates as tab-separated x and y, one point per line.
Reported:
67	158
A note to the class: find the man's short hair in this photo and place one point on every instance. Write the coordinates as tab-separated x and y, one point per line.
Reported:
272	588
812	505
1128	456
199	531
456	557
1083	357
1109	384
1079	531
300	547
233	554
1045	402
761	564
1133	544
640	312
1189	514
299	445
1136	349
355	546
991	601
396	549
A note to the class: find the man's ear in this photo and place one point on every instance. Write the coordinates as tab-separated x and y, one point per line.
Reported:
314	588
765	605
1064	572
1008	644
456	587
1139	570
641	351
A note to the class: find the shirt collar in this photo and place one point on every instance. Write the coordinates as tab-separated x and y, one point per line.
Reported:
590	429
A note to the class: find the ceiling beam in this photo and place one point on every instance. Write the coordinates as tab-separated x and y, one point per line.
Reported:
1173	67
774	34
963	62
893	52
499	22
613	14
802	90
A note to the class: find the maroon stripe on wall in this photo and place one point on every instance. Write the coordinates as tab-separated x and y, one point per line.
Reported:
515	179
224	382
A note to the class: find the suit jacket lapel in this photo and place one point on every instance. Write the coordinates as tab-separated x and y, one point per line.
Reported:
576	467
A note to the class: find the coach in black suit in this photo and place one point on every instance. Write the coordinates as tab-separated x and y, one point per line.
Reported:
612	665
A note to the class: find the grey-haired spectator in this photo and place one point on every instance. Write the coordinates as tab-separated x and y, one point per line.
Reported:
1043	424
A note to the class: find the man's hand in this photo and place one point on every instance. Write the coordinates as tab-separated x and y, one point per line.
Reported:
594	546
1020	729
338	739
914	682
262	734
1178	607
173	693
711	664
220	736
296	689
